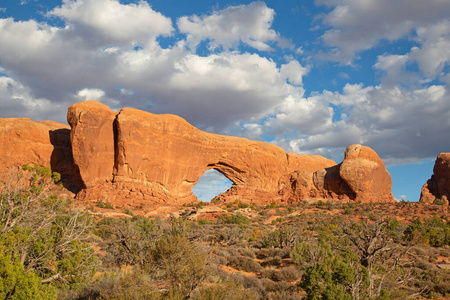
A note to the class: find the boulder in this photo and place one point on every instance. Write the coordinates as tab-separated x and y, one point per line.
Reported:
438	186
361	176
365	174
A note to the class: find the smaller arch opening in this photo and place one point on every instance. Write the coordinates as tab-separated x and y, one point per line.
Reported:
211	184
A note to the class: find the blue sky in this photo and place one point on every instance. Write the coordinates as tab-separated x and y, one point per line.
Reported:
310	76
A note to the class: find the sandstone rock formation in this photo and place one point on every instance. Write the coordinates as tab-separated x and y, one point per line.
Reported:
361	176
92	138
365	174
47	143
147	157
135	158
161	157
438	186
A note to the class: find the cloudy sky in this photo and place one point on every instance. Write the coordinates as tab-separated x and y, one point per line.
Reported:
309	76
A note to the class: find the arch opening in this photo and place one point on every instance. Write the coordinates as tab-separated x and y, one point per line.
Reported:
211	184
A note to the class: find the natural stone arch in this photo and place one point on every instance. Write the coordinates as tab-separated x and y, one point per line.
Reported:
159	158
212	184
233	174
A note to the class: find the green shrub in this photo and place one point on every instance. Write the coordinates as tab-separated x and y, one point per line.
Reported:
227	291
41	232
245	263
271	205
280	238
277	220
243	205
438	201
329	280
128	211
180	262
105	204
17	284
303	253
42	172
348	210
433	231
204	222
238	219
118	286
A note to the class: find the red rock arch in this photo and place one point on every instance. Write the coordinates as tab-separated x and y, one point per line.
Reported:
163	156
137	156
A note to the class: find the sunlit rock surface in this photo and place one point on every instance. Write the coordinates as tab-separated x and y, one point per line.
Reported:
135	157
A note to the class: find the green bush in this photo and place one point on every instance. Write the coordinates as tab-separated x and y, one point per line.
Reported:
271	205
243	205
320	203
179	262
280	238
433	231
17	284
227	291
128	211
245	263
105	204
348	210
277	220
303	253
438	201
42	172
330	279
41	232
204	222
128	241
238	219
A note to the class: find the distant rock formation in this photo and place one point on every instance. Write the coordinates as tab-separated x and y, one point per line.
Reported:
134	157
438	186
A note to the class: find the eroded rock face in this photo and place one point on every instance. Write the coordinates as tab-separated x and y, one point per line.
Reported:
23	141
361	176
92	138
438	186
46	143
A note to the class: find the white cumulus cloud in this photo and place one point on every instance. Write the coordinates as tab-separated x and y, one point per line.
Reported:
45	68
109	21
354	25
249	24
91	58
434	53
402	125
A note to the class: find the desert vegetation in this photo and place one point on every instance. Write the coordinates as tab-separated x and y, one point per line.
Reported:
320	250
